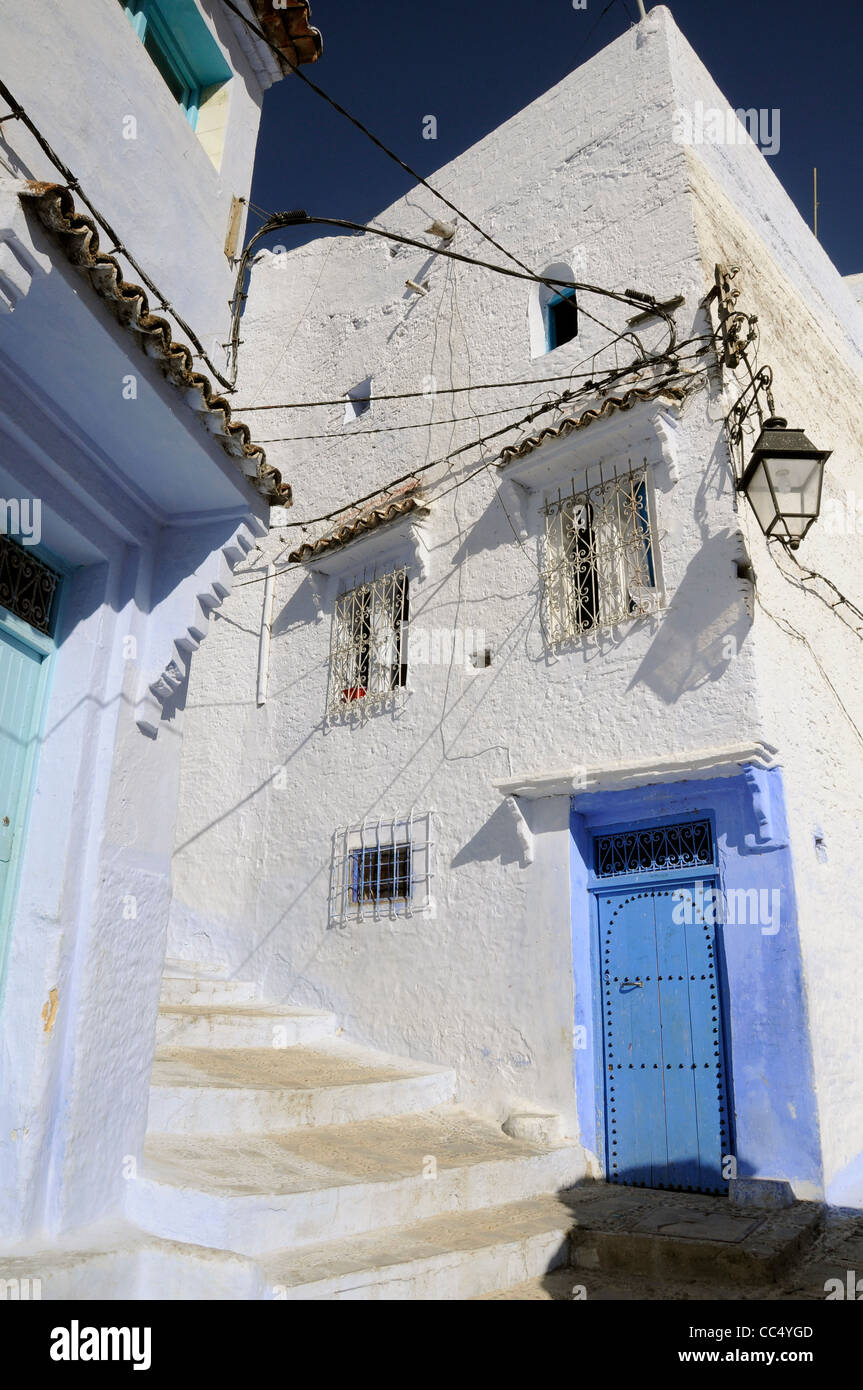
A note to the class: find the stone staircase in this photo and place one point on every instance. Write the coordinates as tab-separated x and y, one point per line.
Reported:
332	1171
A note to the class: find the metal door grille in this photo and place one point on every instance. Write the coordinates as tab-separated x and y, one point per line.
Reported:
599	567
664	847
28	587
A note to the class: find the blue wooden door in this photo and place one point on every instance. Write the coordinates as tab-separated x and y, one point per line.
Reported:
22	685
665	1112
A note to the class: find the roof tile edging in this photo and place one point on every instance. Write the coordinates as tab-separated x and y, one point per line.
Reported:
78	237
372	519
610	406
289	30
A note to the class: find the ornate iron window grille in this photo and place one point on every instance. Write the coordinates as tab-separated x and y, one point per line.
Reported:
599	556
368	658
28	587
381	869
662	848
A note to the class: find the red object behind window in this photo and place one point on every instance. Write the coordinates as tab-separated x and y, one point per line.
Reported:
353	692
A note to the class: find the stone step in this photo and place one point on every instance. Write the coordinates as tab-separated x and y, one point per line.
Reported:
258	1193
114	1259
197	991
241	1025
456	1256
668	1236
271	1090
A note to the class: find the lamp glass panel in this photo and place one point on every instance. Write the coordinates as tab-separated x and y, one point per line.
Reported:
761	498
796	483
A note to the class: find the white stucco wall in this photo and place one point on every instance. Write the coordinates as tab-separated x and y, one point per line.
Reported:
141	505
86	82
588	177
810	674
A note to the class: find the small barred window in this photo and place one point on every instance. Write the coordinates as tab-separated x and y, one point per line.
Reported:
381	869
368	661
599	556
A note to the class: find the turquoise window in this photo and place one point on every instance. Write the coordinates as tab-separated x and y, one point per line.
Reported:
182	48
561	319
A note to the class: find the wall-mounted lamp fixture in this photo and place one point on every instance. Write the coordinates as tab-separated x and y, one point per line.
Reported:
783	481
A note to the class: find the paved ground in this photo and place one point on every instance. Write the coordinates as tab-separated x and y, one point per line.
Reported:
793	1254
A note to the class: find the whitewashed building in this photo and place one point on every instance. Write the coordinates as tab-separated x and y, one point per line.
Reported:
519	800
129	490
506	707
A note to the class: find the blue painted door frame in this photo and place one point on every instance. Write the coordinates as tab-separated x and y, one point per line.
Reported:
666	1121
773	1129
26	666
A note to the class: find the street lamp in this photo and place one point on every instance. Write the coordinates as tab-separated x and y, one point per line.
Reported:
783	481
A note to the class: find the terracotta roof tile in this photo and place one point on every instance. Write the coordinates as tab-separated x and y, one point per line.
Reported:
610	406
289	29
388	507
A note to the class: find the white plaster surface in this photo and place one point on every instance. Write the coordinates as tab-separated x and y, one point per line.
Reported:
88	930
588	176
159	189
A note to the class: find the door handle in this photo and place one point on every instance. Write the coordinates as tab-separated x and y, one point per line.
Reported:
639	983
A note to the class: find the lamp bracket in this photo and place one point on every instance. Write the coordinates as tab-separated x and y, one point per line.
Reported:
732	322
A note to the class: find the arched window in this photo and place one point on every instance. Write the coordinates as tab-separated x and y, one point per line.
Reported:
553	314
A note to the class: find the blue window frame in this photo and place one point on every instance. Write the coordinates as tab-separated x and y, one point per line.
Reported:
561	321
182	48
381	873
642	521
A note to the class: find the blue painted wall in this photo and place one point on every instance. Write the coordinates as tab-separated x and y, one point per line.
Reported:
771	1087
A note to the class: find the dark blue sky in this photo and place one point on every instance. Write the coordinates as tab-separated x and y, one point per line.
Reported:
473	63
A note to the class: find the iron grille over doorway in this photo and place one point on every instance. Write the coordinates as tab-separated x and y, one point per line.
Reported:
28	587
687	845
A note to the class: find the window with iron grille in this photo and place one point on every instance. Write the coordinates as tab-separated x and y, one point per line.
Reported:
381	869
599	555
368	660
28	587
381	874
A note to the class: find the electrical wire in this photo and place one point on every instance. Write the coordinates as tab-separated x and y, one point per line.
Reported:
790	631
412	395
297	70
649	300
414	472
761	379
347	436
808	574
433	463
438	496
17	111
300	218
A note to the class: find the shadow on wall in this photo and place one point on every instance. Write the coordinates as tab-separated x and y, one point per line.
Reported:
301	610
704	627
488	532
496	840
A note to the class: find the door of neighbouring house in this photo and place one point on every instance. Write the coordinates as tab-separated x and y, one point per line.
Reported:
666	1123
27	587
